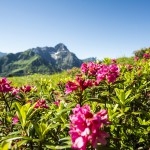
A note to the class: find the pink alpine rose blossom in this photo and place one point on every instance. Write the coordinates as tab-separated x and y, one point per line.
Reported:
15	91
113	61
109	72
82	83
92	68
70	87
15	120
57	103
129	67
41	104
26	88
146	56
5	85
85	127
84	68
136	58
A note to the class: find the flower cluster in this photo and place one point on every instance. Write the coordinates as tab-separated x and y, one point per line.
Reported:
90	68
26	88
70	87
81	84
109	72
41	104
15	91
101	71
86	128
146	56
5	85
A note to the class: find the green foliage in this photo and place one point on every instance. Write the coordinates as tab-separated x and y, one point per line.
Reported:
125	60
140	52
127	101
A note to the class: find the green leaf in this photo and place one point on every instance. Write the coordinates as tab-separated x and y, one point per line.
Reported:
129	100
11	138
56	147
22	142
127	94
68	138
115	108
23	115
140	120
148	128
126	109
48	128
92	100
18	109
30	110
141	140
121	95
120	115
116	100
136	113
37	129
6	145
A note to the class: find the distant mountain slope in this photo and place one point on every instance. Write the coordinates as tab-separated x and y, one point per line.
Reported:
90	59
38	60
2	54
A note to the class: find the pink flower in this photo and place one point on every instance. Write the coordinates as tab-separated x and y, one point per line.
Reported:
15	120
92	68
113	68
85	127
5	85
87	83
109	72
84	68
70	87
41	104
15	91
57	103
82	83
18	97
26	88
146	56
136	58
129	67
113	61
111	78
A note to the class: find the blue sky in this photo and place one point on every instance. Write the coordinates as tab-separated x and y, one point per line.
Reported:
89	28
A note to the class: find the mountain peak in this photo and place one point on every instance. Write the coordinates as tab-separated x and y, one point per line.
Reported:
61	47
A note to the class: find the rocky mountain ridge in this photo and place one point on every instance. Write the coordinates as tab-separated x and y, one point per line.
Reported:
39	60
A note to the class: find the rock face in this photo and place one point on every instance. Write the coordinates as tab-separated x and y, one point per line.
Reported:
44	60
2	54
